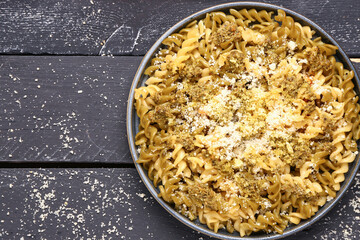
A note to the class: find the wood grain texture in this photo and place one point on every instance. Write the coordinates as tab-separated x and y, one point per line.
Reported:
131	27
58	27
114	204
65	108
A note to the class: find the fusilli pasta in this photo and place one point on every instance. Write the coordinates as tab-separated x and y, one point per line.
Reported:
247	122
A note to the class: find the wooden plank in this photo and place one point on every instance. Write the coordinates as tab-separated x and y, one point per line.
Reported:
131	27
58	27
66	108
114	203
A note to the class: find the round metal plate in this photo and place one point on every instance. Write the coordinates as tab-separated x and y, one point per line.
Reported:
133	121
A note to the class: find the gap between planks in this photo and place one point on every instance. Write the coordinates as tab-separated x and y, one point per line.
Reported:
37	164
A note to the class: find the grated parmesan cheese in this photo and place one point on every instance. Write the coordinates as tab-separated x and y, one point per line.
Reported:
292	45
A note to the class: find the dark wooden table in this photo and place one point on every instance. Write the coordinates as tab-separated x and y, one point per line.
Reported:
65	71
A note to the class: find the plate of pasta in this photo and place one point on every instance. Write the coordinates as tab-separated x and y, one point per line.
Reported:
243	121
